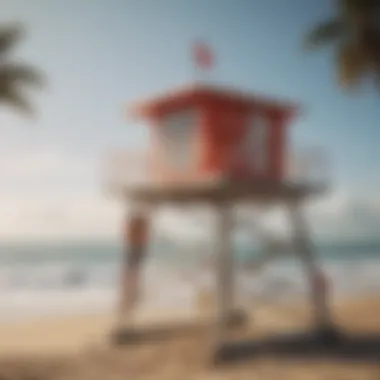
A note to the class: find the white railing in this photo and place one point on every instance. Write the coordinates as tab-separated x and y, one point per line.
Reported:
125	169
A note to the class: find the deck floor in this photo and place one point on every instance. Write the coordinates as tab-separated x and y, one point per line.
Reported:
219	190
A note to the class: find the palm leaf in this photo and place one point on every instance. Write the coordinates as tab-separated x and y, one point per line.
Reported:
352	66
358	13
356	35
14	75
9	36
21	74
12	78
14	98
324	33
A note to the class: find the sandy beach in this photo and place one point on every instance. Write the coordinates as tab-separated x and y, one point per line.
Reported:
74	347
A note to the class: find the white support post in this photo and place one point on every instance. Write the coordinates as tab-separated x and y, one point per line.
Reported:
304	249
224	267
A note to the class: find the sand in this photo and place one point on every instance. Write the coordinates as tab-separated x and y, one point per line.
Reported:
74	347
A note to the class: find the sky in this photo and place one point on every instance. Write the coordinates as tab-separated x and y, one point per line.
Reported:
99	56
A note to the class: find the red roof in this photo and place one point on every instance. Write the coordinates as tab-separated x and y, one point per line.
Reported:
199	93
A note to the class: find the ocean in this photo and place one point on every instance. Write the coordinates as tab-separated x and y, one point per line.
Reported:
39	279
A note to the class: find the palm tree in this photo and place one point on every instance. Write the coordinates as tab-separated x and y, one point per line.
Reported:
355	32
13	75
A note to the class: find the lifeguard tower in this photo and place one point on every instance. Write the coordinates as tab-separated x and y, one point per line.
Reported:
220	147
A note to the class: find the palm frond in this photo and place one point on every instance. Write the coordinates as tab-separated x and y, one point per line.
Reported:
15	75
12	79
14	98
359	12
325	32
355	34
9	36
21	74
352	66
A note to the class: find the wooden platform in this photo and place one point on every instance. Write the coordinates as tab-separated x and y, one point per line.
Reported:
219	190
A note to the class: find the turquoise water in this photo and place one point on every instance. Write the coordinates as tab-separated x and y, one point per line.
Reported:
44	278
87	251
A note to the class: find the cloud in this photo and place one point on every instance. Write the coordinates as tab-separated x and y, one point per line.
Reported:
27	166
348	218
92	215
30	163
58	218
337	215
48	193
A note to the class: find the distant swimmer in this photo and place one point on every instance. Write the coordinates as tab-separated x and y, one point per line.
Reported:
74	278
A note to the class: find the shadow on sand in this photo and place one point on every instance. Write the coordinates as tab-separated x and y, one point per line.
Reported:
327	345
156	332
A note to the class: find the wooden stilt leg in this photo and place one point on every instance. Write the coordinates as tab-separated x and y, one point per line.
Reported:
130	280
304	249
224	268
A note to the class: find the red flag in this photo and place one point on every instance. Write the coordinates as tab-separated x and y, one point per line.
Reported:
203	56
